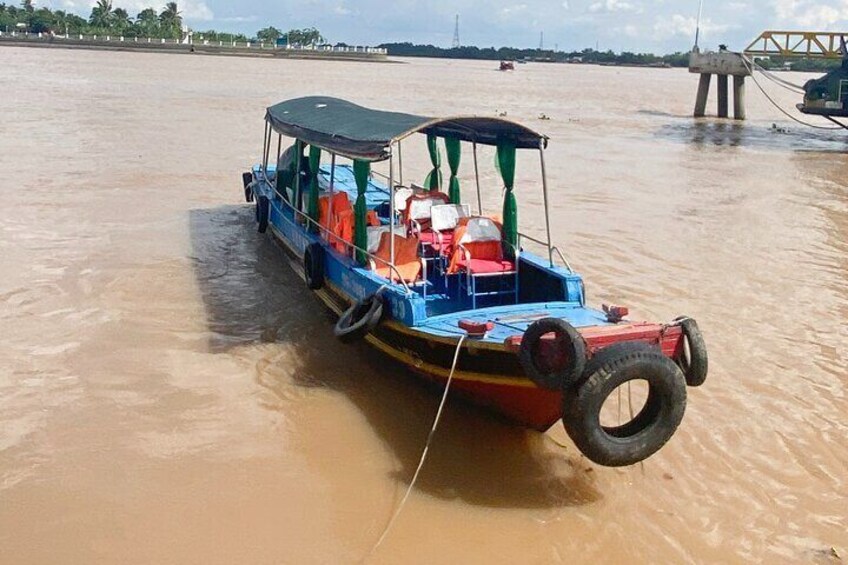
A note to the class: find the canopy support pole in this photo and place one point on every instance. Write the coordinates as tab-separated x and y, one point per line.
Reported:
477	179
547	207
265	143
279	149
277	177
332	189
392	208
298	157
400	171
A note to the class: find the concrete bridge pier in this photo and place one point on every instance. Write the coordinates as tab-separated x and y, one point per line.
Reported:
703	94
739	97
722	96
722	64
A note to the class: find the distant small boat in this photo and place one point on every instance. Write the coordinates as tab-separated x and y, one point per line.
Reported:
507	66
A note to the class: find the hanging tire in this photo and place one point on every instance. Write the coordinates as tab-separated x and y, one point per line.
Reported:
247	179
694	366
263	206
313	266
650	429
561	369
360	319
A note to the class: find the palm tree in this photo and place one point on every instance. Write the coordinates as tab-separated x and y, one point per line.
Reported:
101	14
171	21
62	21
148	21
270	34
121	20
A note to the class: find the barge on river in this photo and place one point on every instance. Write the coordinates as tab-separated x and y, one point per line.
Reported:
431	279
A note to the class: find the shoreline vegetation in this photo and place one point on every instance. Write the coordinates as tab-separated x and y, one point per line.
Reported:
107	20
234	49
590	56
110	27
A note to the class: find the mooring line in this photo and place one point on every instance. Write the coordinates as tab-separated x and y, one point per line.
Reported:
424	453
776	105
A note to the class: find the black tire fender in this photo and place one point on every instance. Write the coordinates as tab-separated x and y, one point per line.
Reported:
695	365
313	266
246	180
650	429
360	319
263	206
574	352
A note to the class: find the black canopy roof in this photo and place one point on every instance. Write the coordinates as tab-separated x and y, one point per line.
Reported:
361	133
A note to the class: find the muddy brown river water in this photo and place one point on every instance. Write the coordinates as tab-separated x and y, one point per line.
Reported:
171	393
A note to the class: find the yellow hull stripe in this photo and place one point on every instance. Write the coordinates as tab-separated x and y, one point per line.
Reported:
429	368
439	371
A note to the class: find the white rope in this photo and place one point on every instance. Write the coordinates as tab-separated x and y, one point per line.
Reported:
776	105
424	453
771	76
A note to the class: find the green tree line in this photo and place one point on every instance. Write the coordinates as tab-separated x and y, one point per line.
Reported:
511	53
589	56
306	36
796	64
106	19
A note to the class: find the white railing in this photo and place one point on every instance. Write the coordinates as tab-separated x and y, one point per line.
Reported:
207	42
330	235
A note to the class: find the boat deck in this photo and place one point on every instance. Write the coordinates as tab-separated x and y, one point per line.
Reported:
513	319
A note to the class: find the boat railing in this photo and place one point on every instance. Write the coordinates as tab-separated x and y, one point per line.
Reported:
386	178
553	249
330	234
374	186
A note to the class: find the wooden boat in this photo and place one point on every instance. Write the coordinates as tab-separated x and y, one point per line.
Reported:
417	274
506	66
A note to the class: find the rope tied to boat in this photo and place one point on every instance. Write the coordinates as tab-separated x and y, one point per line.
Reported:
746	62
423	453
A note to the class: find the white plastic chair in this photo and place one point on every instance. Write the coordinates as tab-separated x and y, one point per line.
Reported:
481	230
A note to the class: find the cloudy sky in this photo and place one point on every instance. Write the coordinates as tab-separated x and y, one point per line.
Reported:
634	25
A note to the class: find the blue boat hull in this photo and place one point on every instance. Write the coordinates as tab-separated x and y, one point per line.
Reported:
423	334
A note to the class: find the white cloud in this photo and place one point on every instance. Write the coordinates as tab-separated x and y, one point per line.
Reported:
666	27
196	10
237	19
508	14
612	6
508	10
811	15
